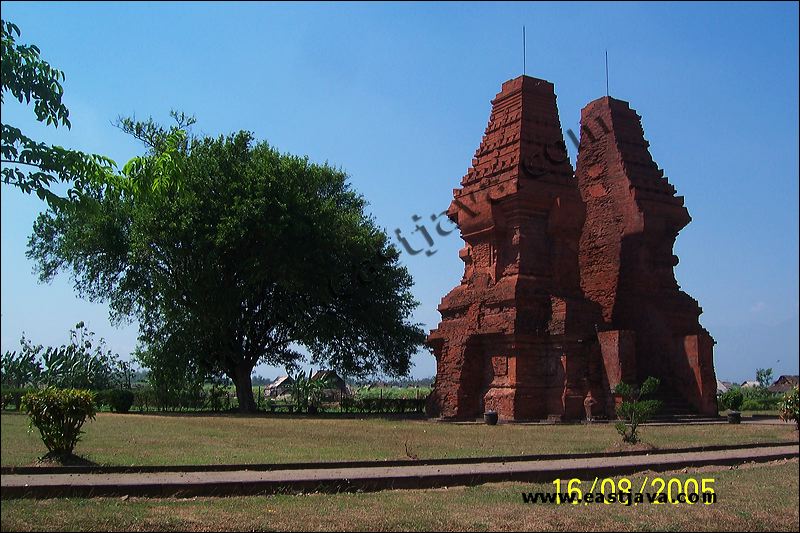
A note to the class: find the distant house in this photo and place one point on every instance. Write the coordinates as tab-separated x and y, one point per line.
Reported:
336	385
279	387
783	384
721	387
750	384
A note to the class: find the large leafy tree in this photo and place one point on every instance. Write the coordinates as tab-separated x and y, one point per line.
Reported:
231	254
30	165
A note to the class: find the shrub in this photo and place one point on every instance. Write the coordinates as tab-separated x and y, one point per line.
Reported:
119	400
633	410
59	415
760	404
732	399
216	397
789	405
13	396
307	392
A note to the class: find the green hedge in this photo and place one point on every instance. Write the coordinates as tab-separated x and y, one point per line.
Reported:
147	398
117	400
384	405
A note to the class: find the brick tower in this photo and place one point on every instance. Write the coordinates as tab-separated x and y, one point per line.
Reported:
650	327
516	334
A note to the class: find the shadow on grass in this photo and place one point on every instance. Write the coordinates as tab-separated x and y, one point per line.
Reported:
63	459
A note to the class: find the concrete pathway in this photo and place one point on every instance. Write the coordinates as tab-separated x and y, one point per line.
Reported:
246	482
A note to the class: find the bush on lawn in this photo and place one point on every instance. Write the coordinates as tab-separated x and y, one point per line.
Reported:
59	415
119	400
732	399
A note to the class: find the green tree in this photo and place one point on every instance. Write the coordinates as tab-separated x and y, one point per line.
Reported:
28	77
174	376
241	257
764	377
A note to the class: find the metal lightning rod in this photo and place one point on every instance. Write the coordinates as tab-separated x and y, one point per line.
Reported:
523	50
606	71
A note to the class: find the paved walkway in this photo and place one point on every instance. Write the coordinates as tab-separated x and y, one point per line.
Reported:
216	483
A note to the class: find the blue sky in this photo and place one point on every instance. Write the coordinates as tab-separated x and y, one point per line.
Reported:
398	95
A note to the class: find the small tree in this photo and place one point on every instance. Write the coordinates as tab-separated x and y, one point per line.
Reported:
59	415
764	377
634	411
790	403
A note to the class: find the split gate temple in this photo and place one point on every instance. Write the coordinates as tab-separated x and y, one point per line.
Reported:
568	282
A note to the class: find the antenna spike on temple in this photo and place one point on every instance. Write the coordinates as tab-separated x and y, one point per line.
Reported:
523	50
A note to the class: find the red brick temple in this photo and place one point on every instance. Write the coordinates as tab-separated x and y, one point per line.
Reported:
568	282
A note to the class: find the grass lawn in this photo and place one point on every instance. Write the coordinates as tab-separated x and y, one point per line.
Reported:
750	498
134	439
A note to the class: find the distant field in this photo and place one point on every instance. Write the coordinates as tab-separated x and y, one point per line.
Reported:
392	392
750	498
142	439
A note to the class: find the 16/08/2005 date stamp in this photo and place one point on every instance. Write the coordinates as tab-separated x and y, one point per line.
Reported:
655	490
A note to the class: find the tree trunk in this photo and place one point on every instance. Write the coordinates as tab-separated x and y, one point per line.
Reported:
244	389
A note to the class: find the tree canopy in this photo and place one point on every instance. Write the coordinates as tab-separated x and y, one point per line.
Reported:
29	78
231	254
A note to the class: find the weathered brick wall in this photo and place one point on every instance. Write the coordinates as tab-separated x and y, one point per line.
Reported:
511	333
568	283
627	264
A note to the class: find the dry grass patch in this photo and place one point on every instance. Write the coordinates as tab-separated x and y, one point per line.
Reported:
133	439
761	497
